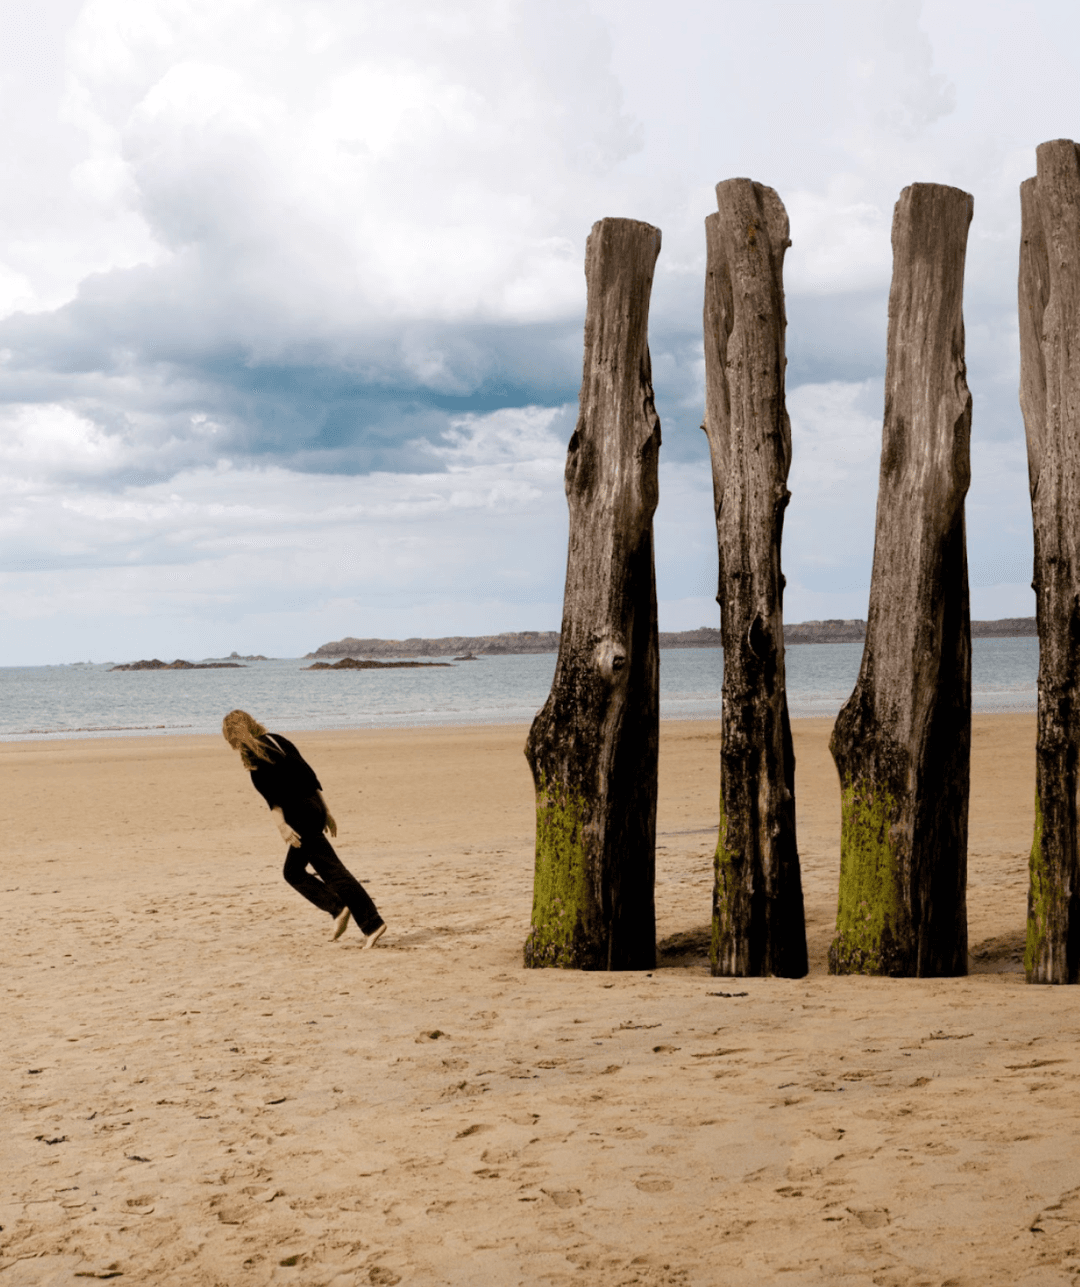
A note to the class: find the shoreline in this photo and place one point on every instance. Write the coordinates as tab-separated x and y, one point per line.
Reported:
141	732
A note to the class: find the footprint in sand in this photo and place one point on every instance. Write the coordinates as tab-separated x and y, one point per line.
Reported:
874	1218
475	1129
380	1274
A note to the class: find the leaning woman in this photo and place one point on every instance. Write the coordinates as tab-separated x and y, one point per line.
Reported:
289	786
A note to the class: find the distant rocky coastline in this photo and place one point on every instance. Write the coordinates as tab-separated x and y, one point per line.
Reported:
834	630
798	632
1005	628
524	641
155	664
351	663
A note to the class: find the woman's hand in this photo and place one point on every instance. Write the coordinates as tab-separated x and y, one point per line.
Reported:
288	834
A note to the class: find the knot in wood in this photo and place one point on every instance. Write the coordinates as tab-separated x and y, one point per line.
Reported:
611	658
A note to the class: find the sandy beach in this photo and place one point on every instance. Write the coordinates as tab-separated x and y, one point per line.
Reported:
199	1088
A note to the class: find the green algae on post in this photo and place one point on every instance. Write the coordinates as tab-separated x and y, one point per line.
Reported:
560	894
871	906
724	947
1039	944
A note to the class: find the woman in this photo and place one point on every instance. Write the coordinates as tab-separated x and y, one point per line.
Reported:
289	786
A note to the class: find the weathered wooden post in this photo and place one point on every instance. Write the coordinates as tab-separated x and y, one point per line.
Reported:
1050	399
593	747
902	742
758	925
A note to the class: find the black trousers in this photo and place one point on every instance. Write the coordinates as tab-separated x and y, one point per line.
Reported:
333	887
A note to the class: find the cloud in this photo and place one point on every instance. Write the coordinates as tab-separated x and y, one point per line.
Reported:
829	527
48	441
252	253
337	554
331	224
338	159
492	465
843	246
895	82
220	543
836	447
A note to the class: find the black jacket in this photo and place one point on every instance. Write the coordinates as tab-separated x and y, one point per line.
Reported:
286	778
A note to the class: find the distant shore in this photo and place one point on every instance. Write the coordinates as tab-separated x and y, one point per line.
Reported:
852	630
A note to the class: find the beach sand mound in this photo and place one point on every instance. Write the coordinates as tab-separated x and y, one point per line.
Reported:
201	1089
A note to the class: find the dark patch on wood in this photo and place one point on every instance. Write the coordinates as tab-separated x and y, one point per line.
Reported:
1049	306
758	925
593	747
902	742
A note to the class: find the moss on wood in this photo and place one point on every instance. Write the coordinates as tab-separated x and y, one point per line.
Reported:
870	904
1040	895
726	918
560	891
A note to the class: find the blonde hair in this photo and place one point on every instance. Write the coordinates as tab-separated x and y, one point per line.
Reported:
239	727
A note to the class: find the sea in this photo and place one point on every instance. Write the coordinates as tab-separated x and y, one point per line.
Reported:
88	700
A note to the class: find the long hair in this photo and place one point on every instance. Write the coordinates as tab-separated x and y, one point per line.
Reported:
238	726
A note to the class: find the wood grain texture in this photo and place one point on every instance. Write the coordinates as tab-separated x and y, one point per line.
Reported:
902	742
758	922
593	747
1049	308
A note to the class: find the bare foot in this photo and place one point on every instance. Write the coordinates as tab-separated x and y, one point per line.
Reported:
341	924
375	935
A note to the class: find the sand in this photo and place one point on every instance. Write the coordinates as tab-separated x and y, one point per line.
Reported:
199	1088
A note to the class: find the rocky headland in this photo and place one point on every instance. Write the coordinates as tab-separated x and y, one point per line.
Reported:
524	641
352	663
835	630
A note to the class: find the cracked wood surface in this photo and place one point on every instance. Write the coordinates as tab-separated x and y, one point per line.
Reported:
593	747
758	921
902	741
1049	308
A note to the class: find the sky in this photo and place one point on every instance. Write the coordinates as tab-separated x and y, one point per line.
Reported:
291	296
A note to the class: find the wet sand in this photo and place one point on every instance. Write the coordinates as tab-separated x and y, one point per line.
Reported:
201	1089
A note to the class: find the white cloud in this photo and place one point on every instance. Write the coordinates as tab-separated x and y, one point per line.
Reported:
40	440
839	244
536	435
61	216
336	159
